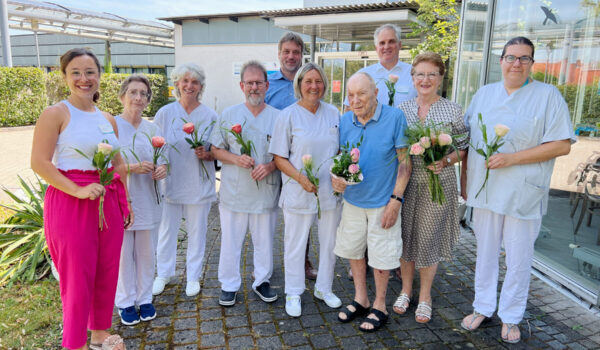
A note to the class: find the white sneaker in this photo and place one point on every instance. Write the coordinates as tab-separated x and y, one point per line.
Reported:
159	285
330	299
293	307
192	288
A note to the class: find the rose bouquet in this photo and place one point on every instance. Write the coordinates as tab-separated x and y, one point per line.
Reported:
490	148
246	146
431	143
194	140
390	84
101	159
345	164
311	173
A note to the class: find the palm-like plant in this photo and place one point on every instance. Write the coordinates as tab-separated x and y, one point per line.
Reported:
24	254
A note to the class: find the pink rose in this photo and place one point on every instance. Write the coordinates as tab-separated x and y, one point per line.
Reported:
393	78
355	154
353	168
188	128
425	142
444	139
157	141
433	137
104	148
501	130
237	128
416	149
306	159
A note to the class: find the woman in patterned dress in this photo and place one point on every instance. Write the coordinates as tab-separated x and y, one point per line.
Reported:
429	230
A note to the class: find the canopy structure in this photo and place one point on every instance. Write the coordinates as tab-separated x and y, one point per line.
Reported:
49	17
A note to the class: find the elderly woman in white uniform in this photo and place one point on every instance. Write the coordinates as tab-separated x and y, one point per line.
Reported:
510	210
308	127
136	270
188	191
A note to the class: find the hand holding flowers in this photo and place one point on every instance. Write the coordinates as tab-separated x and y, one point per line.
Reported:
432	144
345	168
196	141
490	148
101	159
311	175
246	146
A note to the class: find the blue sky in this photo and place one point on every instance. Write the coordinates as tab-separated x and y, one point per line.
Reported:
152	9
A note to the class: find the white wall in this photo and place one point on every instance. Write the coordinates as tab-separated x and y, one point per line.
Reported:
222	86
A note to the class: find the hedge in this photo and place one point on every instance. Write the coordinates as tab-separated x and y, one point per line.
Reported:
27	91
23	95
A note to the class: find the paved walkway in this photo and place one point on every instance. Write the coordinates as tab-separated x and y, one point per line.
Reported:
552	320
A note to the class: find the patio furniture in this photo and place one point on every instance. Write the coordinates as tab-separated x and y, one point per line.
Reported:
591	203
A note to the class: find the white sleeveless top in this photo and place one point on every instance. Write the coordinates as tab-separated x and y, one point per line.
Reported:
84	132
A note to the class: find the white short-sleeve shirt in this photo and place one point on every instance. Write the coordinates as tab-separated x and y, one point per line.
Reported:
186	183
298	132
238	191
140	186
535	114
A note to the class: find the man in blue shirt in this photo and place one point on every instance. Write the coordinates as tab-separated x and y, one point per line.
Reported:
281	94
371	212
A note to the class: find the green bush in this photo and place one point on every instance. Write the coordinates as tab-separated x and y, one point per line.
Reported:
590	108
57	90
27	91
23	95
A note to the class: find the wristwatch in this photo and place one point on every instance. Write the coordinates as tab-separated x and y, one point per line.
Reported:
399	199
448	160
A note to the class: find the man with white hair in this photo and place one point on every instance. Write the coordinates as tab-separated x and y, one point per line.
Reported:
371	211
387	45
249	186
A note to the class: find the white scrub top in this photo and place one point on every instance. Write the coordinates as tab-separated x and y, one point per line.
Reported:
141	186
535	114
298	132
186	183
238	191
405	89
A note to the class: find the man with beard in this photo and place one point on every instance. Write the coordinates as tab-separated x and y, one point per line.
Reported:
250	186
281	95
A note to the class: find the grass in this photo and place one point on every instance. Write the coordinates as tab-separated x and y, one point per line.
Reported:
31	316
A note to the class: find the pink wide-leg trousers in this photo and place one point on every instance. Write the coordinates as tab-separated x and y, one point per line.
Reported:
87	259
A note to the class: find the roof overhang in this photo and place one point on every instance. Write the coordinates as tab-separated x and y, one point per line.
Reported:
347	27
53	18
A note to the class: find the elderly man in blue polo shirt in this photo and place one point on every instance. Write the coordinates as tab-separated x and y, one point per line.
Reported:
387	46
371	212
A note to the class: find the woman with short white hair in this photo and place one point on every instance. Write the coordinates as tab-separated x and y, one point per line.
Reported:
190	187
308	127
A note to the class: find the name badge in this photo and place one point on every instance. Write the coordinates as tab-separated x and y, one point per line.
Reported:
106	129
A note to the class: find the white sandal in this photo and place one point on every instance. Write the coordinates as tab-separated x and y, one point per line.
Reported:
474	316
110	343
424	311
401	304
510	327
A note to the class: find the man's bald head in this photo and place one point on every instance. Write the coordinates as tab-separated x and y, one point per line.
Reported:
362	95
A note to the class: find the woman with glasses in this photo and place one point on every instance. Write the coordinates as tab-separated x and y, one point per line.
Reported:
509	210
429	230
136	270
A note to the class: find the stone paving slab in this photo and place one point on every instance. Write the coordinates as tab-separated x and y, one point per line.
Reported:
552	320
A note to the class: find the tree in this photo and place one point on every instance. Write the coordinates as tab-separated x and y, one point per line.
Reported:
437	25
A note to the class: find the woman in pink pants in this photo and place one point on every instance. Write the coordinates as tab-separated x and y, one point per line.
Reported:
87	258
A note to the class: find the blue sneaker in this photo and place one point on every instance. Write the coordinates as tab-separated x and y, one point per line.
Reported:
147	312
129	316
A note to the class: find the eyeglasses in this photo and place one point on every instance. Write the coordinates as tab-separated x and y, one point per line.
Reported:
522	59
430	76
135	93
250	84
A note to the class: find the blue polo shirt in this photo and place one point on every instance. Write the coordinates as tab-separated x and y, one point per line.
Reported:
281	91
382	135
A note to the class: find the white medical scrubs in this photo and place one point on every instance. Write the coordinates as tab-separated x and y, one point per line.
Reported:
242	204
299	132
188	191
510	209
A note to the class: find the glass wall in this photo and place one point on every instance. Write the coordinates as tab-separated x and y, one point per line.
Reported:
566	35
